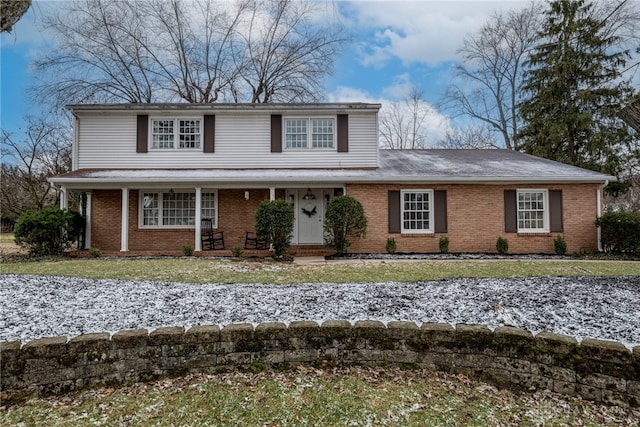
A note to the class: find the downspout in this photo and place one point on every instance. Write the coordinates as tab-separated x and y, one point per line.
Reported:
599	212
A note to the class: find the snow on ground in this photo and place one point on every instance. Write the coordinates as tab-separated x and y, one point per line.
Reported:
596	307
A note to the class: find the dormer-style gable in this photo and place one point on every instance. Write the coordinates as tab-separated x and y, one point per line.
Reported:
228	136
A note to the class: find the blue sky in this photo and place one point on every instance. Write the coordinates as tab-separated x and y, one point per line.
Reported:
396	44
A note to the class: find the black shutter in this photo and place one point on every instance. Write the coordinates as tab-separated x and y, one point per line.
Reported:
510	212
142	134
276	133
394	212
440	211
343	133
555	210
209	134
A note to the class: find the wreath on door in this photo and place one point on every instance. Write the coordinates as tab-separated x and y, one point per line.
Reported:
311	212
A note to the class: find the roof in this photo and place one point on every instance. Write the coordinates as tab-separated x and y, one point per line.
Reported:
398	166
225	107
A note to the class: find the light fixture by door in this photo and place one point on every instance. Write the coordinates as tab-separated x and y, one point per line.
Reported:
309	195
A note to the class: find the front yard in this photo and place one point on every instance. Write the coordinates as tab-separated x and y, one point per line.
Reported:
598	299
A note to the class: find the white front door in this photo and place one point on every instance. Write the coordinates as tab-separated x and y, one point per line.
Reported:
309	209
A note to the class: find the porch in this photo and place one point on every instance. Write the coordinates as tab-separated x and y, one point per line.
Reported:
163	221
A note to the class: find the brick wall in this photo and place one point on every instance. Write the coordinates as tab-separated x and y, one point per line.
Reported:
475	216
602	371
236	216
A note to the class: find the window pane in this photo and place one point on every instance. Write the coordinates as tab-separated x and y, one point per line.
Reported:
150	210
189	133
208	207
178	209
531	210
296	133
322	133
416	211
162	134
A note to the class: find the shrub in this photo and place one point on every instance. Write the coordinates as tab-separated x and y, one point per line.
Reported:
620	232
236	251
187	250
502	246
274	222
344	220
391	246
443	244
94	253
49	231
559	245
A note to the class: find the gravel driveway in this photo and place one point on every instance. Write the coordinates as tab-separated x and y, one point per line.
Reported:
596	307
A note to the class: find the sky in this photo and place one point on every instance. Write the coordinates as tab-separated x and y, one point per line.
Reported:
396	44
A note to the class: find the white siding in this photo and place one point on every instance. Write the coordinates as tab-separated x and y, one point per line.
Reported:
241	141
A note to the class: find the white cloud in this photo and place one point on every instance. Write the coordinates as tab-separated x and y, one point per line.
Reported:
435	124
426	32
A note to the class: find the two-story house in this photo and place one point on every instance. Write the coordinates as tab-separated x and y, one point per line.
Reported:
153	172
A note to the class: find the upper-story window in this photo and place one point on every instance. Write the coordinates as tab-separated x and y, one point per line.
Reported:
176	133
309	132
532	211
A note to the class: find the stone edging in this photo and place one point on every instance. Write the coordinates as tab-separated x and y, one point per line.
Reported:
601	371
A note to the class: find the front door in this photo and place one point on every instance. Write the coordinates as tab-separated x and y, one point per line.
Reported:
309	216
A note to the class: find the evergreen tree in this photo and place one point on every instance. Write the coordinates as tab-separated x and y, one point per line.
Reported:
573	89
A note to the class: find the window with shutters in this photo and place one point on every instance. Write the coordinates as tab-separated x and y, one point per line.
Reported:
416	210
174	133
175	209
533	211
304	133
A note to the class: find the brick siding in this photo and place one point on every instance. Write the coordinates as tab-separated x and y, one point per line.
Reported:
475	216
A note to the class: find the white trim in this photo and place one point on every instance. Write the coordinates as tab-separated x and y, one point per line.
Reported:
430	230
546	211
198	238
176	133
64	197
124	230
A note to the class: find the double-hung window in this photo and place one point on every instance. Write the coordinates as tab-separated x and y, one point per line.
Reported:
417	211
176	133
309	132
175	209
533	211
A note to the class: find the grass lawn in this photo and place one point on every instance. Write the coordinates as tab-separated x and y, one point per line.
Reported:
355	396
203	270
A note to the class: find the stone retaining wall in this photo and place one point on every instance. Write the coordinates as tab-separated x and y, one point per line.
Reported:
602	371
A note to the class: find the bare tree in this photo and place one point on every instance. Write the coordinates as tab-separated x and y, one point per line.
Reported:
42	150
10	13
402	122
288	54
486	86
470	136
201	51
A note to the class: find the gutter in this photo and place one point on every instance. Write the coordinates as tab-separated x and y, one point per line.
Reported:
599	191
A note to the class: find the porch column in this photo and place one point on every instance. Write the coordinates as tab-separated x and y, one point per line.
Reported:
124	232
87	232
64	198
198	243
272	193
